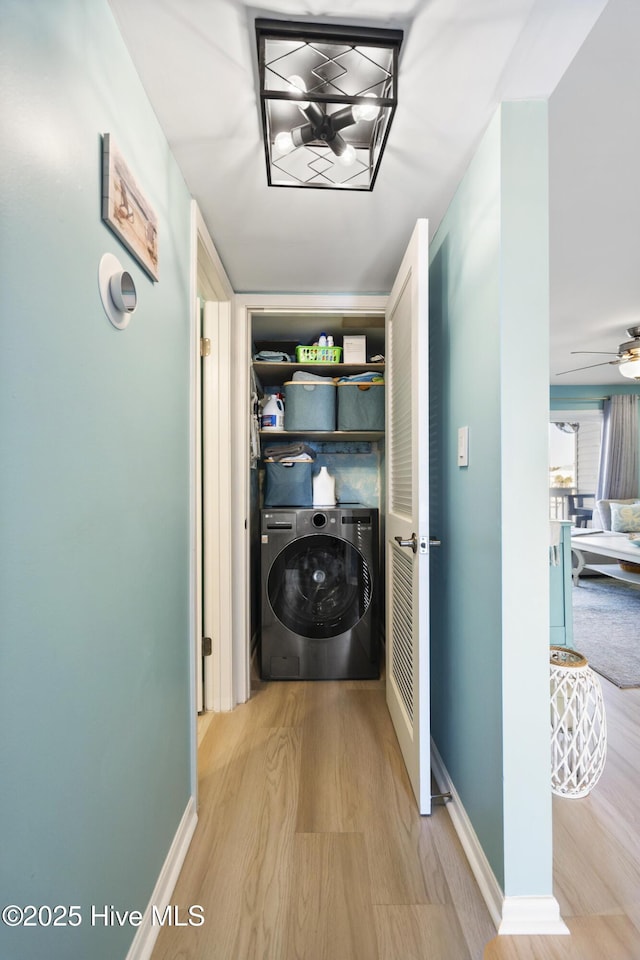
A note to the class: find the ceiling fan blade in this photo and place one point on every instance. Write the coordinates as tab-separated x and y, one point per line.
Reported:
607	353
575	369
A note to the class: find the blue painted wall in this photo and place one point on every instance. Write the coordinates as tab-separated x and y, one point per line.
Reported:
94	564
490	624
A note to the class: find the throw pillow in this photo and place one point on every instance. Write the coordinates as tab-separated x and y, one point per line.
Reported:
625	518
603	512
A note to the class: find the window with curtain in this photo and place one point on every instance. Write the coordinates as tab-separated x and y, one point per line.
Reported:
574	457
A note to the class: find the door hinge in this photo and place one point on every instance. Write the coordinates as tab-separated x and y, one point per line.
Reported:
205	347
206	646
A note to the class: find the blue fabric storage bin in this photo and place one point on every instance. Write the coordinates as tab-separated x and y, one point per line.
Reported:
288	484
361	406
309	405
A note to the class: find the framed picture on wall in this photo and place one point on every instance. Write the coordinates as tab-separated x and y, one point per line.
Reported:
126	210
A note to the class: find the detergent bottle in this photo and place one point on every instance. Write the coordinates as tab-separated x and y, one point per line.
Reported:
272	416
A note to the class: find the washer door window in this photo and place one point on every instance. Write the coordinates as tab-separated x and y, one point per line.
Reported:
319	587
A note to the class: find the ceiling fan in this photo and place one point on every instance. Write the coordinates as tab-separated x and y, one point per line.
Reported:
627	358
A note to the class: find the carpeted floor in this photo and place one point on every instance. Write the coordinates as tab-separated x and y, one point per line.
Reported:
606	628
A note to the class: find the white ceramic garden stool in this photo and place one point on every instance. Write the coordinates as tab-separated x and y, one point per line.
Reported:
578	725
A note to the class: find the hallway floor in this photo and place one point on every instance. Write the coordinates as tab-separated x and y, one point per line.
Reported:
309	845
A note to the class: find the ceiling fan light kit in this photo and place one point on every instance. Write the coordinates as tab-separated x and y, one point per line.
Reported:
631	368
328	95
627	360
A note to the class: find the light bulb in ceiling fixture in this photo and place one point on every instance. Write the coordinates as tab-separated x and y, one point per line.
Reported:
348	156
284	142
630	368
297	86
366	111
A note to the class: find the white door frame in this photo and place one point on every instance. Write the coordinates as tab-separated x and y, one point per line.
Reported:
246	305
209	279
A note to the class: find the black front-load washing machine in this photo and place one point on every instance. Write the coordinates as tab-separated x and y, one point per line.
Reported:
319	583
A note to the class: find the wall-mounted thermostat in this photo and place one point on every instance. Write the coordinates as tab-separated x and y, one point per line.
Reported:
117	291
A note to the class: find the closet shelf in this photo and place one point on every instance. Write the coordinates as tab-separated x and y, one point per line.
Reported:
274	374
343	435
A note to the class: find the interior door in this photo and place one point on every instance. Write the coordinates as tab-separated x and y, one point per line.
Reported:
407	513
210	501
216	506
198	517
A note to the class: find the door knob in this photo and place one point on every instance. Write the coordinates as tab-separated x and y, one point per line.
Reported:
413	542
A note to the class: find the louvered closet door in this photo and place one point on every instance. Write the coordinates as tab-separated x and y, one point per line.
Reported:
407	534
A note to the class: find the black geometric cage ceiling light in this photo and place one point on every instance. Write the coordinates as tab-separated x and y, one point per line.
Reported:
328	96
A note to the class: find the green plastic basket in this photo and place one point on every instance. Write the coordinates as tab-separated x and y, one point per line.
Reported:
318	354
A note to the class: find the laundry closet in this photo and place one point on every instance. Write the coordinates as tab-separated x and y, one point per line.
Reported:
317	493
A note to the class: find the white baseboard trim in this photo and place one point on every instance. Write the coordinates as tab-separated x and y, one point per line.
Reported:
480	866
511	915
147	933
531	915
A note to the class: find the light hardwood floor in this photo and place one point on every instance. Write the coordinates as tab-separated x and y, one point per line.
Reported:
596	855
309	846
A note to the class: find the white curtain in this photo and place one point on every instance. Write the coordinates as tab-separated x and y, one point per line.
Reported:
618	474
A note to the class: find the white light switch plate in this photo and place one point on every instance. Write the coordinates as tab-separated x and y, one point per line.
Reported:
463	446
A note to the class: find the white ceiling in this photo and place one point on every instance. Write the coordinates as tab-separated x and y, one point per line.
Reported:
459	59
